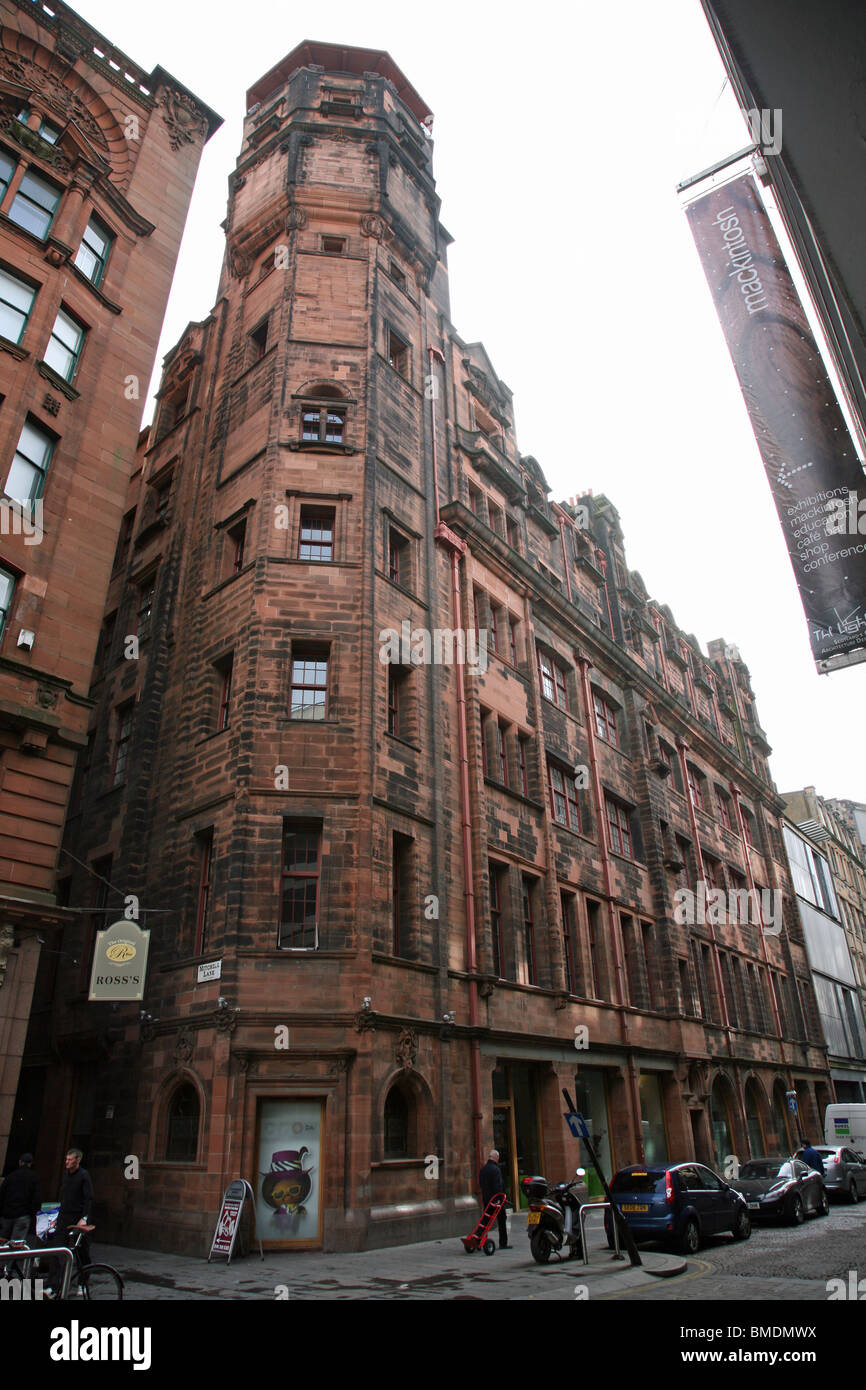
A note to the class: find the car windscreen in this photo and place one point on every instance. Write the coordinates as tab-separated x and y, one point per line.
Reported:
770	1169
646	1181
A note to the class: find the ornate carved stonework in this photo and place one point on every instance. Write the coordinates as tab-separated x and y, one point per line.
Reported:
407	1048
296	220
246	1062
51	404
225	1018
338	1067
185	122
46	697
34	144
55	91
365	1021
183	1048
371	225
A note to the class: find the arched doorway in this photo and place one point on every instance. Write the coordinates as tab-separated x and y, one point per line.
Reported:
722	1120
756	1113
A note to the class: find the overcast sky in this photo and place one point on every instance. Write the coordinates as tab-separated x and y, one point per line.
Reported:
561	130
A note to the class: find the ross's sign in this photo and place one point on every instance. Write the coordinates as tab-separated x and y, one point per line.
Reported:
229	1219
119	962
809	457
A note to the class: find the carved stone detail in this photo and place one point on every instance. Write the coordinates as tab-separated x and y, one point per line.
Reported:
365	1021
372	225
46	697
55	91
183	1048
407	1048
296	220
225	1018
7	941
185	122
51	404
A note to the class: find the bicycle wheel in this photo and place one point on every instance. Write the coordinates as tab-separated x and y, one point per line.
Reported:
98	1282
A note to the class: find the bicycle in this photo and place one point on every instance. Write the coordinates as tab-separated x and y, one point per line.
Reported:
91	1282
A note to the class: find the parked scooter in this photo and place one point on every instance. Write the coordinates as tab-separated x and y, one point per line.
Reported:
552	1223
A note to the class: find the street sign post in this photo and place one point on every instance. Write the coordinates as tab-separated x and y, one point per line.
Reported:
577	1125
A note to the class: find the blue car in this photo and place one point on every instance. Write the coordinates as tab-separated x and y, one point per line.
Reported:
678	1203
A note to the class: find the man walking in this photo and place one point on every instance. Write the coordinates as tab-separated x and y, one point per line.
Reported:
491	1181
76	1206
811	1157
20	1200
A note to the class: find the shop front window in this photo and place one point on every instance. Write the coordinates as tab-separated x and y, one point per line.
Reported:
590	1094
653	1119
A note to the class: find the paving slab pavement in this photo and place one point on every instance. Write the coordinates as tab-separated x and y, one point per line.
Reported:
437	1269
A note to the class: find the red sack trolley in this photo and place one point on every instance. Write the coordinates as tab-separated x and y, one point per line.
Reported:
479	1239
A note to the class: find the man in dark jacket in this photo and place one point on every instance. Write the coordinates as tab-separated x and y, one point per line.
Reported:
76	1207
20	1200
491	1181
811	1157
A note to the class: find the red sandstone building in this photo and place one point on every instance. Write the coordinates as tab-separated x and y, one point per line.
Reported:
97	163
389	921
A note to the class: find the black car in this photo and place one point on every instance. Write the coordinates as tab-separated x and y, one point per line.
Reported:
783	1189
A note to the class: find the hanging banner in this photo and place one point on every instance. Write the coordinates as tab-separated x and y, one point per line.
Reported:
119	962
810	460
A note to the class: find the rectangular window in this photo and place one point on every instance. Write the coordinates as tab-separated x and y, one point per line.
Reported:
323	425
605	720
483	717
563	797
695	787
93	252
333	245
202	915
619	828
317	534
495	620
16	301
553	686
49	133
236	539
501	754
309	682
122	740
686	996
397	353
724	806
26	479
697	965
631	961
64	346
258	341
35	204
224	670
397	275
124	540
398	691
103	651
401	894
145	609
512	639
399	558
299	917
522	764
748	825
7	169
527	973
593	923
646	936
512	532
569	941
7	590
497	518
497	875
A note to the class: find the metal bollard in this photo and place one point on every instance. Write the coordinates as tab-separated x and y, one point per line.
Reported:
596	1206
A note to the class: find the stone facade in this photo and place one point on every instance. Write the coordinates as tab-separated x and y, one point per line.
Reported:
437	892
84	134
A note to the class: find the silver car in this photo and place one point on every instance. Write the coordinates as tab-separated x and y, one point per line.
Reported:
844	1171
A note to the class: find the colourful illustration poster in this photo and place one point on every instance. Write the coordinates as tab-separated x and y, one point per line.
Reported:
288	1183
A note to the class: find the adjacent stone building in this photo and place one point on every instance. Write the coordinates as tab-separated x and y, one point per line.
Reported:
398	899
97	164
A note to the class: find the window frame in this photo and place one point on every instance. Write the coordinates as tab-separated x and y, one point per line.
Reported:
605	719
33	291
619	825
40	470
567	794
397	352
311	513
306	828
557	677
74	352
317	654
13	577
203	900
125	720
101	261
35	177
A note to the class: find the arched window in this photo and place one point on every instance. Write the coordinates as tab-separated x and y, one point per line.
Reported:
397	1123
181	1135
323	415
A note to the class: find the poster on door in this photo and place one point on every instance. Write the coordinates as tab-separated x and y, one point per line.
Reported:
289	1172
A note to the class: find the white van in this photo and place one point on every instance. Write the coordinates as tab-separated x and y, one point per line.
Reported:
845	1124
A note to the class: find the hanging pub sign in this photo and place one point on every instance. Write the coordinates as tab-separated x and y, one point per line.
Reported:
809	457
229	1219
119	962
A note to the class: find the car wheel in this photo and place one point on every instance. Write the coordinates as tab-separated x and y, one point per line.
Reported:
823	1206
796	1214
854	1194
742	1226
690	1240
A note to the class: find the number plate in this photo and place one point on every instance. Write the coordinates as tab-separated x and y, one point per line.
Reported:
533	1218
754	1206
634	1206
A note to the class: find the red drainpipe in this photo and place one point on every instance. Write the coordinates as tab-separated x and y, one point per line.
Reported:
584	663
457	549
